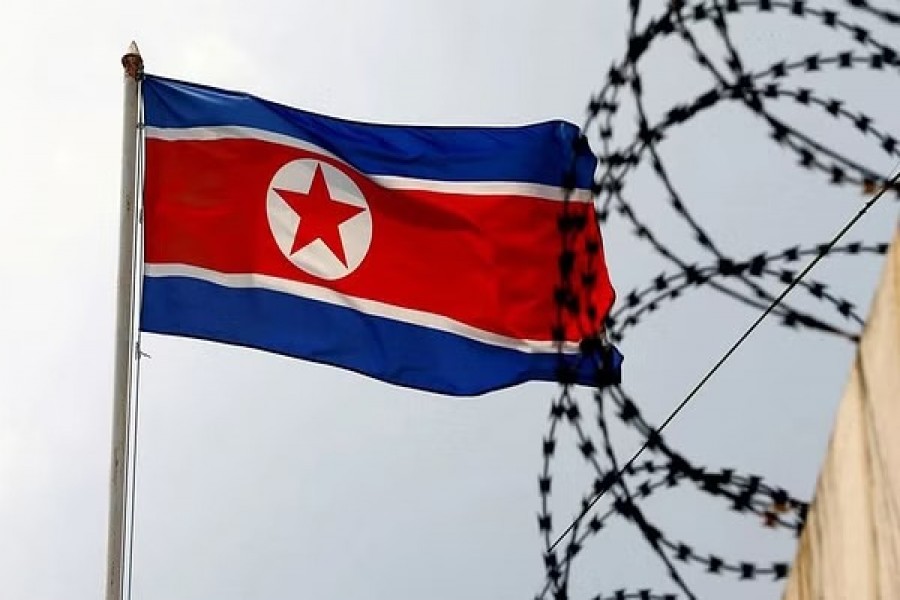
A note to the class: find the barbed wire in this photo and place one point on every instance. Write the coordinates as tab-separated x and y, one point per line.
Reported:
741	279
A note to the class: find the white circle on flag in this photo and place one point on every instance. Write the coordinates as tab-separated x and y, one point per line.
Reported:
353	235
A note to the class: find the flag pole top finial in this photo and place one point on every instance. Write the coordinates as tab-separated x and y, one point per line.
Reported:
132	62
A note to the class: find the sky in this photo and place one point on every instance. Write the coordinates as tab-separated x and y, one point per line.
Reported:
262	477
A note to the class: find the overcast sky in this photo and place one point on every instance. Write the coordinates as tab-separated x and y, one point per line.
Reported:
264	477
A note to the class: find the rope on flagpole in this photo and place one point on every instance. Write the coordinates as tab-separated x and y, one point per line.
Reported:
138	269
124	355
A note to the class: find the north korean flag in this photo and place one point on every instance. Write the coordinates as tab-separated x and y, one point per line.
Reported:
422	256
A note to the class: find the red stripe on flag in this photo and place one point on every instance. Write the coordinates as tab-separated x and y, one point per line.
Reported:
487	261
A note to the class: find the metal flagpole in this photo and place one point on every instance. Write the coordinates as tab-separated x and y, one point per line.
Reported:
124	350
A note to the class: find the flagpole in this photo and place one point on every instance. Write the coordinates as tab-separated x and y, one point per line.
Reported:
124	350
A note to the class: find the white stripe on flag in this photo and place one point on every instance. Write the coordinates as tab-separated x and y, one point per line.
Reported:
362	305
477	188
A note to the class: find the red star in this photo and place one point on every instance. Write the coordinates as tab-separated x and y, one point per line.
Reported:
320	215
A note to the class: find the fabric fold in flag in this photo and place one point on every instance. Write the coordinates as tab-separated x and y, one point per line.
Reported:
422	256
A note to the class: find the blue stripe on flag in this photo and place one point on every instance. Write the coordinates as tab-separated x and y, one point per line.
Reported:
392	351
539	153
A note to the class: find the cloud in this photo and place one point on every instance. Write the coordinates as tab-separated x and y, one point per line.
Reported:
214	58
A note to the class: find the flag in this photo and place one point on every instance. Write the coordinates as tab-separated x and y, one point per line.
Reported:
422	256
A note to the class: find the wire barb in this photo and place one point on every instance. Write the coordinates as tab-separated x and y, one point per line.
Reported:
743	279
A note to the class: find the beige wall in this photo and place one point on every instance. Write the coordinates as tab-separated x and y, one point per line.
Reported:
850	548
